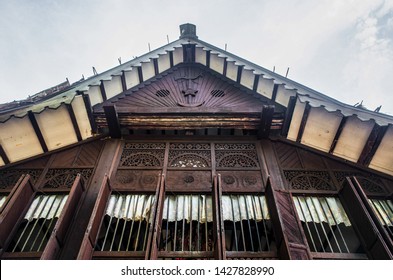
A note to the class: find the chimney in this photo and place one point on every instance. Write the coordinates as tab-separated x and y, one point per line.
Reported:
188	30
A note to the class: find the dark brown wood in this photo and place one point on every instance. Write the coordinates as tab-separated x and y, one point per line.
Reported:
155	62
102	90
338	134
208	58
186	254
37	131
171	59
288	116
239	73
118	255
266	121
74	122
89	111
14	211
188	181
140	74
224	71
158	221
374	217
251	255
371	237
90	237
303	123
112	121
338	256
3	155
12	193
167	111
218	227
274	93
123	80
372	144
57	238
256	82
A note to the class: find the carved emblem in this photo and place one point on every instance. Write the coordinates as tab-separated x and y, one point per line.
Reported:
190	92
229	180
188	179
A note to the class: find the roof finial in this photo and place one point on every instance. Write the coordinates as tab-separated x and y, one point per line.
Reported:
188	30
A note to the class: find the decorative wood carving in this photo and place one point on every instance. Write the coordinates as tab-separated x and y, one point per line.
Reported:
189	181
194	155
236	155
64	178
370	183
142	155
309	180
9	177
241	181
143	180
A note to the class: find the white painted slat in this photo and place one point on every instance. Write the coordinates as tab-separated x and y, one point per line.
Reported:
383	157
247	78
265	87
217	63
95	96
232	70
82	117
200	56
177	56
296	120
148	70
132	78
113	87
163	63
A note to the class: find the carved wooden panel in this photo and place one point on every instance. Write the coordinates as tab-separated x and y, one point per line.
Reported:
142	155
9	177
64	178
241	181
188	181
186	86
309	180
189	155
236	156
141	180
371	184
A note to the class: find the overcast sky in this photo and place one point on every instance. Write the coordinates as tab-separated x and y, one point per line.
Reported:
341	48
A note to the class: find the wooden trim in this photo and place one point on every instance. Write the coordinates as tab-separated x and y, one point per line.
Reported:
208	59
256	82
303	122
102	90
11	194
274	92
112	121
140	74
251	255
123	79
338	134
74	122
338	256
3	155
155	63
105	255
266	121
239	73
158	220
372	144
171	59
167	111
37	131
288	116
224	71
217	225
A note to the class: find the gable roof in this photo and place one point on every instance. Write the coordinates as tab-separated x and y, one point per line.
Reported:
312	118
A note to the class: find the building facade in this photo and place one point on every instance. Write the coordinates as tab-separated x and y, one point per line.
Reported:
190	152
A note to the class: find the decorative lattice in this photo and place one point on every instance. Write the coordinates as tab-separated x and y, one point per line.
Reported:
64	178
246	146
189	155
309	180
189	146
370	183
190	160
8	178
143	155
243	159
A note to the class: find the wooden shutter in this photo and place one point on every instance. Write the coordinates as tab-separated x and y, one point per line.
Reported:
14	211
59	232
12	193
373	241
90	238
156	227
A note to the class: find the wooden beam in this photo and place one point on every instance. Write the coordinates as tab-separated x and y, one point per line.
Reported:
256	81
372	144
37	131
74	122
102	90
208	59
303	122
86	100
112	121
266	121
189	53
155	62
288	115
338	134
171	58
274	93
140	74
123	81
3	155
224	71
239	73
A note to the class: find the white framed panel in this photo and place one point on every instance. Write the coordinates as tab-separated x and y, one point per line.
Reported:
247	78
265	87
177	56
19	140
296	120
383	157
95	96
200	56
132	78
148	70
321	128
217	63
113	87
56	128
82	117
284	94
163	62
232	70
